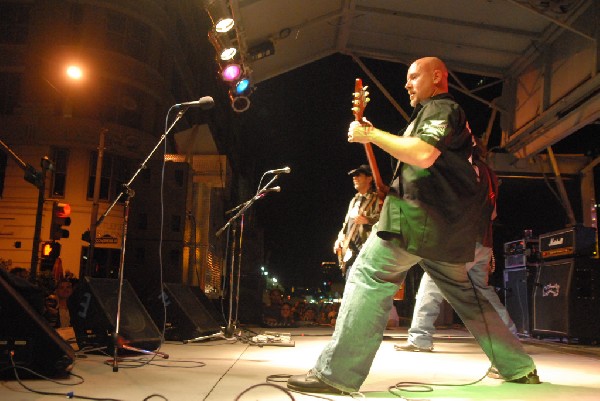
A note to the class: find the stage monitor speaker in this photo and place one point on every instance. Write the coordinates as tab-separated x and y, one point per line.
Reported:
566	299
516	298
93	310
25	334
187	318
211	305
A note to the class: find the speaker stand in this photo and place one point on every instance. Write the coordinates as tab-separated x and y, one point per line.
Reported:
227	334
121	344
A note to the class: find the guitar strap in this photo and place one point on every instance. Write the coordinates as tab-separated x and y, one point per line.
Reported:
403	132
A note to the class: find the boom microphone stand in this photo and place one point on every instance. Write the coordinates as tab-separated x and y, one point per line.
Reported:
228	332
118	342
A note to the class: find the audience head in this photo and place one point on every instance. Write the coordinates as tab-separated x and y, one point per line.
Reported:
275	296
20	272
64	289
286	311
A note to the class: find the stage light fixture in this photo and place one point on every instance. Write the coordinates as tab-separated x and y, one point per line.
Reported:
224	25
231	72
239	104
223	44
220	15
228	53
242	85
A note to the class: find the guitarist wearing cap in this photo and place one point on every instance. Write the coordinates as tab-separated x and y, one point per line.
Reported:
363	212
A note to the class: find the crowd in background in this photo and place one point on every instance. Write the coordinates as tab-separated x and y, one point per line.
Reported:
55	289
278	312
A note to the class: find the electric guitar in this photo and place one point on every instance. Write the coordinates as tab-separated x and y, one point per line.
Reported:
358	107
346	252
359	103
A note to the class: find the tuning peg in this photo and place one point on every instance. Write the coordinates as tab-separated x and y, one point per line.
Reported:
355	109
365	88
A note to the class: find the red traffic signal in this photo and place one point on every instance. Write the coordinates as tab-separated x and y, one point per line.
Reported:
60	219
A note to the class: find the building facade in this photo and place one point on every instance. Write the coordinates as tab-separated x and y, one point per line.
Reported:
136	58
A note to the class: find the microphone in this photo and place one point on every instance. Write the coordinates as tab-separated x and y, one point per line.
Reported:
204	103
285	170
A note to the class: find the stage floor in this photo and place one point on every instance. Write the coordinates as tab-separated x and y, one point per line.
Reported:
220	370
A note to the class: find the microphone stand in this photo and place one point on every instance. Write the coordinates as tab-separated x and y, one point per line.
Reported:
118	342
228	332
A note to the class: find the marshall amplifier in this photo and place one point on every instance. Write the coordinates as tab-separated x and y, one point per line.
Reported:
566	299
571	241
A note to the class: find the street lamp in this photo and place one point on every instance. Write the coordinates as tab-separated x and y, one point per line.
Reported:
74	72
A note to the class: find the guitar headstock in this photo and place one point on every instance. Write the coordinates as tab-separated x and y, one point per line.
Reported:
360	99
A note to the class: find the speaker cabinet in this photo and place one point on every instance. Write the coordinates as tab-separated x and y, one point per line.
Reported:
566	300
24	332
93	310
214	306
516	297
186	317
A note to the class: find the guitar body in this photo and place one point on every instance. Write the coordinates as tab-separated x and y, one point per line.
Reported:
346	253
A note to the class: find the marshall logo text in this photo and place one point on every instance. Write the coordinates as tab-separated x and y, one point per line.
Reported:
556	241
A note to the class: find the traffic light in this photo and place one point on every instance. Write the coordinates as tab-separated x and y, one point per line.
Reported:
50	252
60	219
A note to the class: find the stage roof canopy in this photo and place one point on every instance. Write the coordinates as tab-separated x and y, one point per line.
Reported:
545	52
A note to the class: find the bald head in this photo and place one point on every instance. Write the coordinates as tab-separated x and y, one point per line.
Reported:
426	77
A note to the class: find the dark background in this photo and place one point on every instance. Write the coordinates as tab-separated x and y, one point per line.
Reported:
300	119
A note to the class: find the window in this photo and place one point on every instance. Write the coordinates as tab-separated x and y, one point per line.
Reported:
115	172
60	157
14	24
128	36
10	90
122	105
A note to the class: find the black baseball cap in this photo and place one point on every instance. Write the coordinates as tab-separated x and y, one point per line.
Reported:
363	168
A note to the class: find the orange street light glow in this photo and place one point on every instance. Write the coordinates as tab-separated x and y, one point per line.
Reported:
74	72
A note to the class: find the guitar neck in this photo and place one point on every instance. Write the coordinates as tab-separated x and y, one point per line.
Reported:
382	189
358	106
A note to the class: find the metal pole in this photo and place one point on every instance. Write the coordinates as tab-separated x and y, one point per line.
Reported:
35	248
561	188
96	196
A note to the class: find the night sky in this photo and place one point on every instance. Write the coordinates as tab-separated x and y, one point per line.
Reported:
300	119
